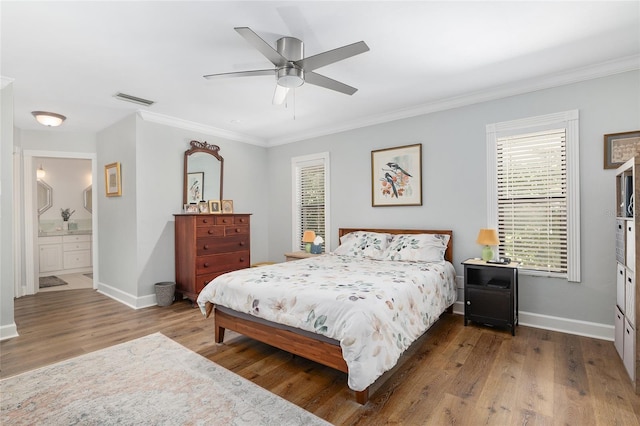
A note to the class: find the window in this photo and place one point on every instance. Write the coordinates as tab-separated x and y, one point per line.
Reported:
310	198
534	192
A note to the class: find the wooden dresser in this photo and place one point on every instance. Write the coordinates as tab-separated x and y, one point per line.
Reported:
208	245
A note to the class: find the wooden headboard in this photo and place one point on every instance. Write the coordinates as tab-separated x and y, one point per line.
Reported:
448	254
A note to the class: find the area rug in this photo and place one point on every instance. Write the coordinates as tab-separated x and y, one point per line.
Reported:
51	281
151	380
89	275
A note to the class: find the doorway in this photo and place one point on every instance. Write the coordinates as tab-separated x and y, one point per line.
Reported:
48	234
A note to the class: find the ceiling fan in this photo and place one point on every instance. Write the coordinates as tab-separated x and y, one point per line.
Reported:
292	69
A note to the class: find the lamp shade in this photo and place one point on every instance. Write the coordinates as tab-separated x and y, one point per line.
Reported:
50	119
40	173
308	236
488	237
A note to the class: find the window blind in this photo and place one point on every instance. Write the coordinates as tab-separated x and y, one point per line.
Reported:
310	199
532	199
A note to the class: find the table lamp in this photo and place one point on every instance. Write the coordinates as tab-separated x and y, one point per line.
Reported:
308	237
488	238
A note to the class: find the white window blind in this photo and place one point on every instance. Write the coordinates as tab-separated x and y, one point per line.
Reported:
310	206
534	192
532	199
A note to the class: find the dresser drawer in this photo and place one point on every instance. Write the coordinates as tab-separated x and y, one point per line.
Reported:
76	246
225	220
203	280
205	220
222	262
76	238
215	245
210	231
236	230
77	259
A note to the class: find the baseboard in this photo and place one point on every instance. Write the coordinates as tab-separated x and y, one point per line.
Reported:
563	325
126	298
8	331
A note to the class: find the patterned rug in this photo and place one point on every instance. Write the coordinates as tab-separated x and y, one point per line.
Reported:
51	281
151	380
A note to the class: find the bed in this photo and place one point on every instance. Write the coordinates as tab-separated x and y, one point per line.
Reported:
356	309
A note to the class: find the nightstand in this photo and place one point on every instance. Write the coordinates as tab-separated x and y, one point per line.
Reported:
296	255
491	293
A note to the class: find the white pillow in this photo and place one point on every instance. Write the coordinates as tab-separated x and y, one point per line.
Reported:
363	244
417	248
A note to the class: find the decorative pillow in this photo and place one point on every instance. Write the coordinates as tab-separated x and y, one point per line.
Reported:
417	248
363	244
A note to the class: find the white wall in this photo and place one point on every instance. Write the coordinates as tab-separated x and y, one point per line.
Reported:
454	184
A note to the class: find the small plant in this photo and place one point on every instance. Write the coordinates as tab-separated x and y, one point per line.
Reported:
66	214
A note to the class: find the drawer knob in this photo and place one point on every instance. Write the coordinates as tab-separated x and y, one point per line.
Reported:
206	264
237	229
210	231
241	243
224	221
242	259
205	221
468	302
206	247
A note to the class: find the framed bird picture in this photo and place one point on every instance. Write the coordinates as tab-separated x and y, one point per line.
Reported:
396	176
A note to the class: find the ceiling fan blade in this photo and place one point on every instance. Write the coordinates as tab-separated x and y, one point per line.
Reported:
240	74
328	83
263	47
280	94
329	57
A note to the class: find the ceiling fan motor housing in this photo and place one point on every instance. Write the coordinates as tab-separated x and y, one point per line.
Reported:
289	75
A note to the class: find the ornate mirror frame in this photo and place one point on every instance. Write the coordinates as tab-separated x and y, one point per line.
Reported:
197	146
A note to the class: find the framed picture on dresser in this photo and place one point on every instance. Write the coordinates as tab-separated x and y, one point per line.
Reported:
214	206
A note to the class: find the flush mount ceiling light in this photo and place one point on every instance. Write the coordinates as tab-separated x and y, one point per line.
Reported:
50	119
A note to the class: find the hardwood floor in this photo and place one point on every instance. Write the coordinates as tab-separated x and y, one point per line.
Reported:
454	375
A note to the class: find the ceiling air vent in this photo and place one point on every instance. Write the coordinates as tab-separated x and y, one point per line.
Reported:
134	99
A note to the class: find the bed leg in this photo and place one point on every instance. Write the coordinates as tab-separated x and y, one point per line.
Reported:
219	334
362	396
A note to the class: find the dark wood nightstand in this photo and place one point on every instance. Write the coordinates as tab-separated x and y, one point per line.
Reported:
296	255
491	293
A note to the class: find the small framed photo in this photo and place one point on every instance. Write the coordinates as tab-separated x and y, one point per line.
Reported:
203	207
190	208
619	147
227	206
112	181
195	187
214	206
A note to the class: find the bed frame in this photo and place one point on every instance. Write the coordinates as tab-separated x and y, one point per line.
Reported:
323	352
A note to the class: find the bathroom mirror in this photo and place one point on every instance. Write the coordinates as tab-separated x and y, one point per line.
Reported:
45	197
203	171
87	197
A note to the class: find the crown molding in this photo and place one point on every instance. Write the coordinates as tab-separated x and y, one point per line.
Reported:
591	72
198	127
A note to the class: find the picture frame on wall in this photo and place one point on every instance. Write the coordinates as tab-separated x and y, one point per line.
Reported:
214	207
619	147
227	206
396	176
195	187
112	180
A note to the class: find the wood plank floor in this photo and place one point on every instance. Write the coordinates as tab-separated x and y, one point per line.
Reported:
454	375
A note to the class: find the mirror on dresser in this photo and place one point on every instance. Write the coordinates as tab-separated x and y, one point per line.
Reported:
203	173
45	197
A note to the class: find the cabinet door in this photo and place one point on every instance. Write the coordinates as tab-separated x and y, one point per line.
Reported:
50	257
630	297
619	332
629	350
490	305
620	285
631	245
77	259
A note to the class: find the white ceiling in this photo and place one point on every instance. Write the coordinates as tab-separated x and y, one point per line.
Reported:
72	57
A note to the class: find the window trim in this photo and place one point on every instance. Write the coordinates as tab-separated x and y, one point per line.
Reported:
297	162
570	121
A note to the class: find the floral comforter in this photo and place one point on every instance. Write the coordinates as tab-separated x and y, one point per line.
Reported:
374	308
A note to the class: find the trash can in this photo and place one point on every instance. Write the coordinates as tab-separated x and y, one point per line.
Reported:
165	293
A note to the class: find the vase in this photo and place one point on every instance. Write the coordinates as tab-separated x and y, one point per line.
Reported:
65	225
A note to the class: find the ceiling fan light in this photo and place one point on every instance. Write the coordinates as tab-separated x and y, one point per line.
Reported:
290	77
50	119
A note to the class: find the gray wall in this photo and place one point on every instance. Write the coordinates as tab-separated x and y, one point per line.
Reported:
7	324
454	184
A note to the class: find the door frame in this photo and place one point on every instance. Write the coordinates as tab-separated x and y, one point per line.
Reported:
32	268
